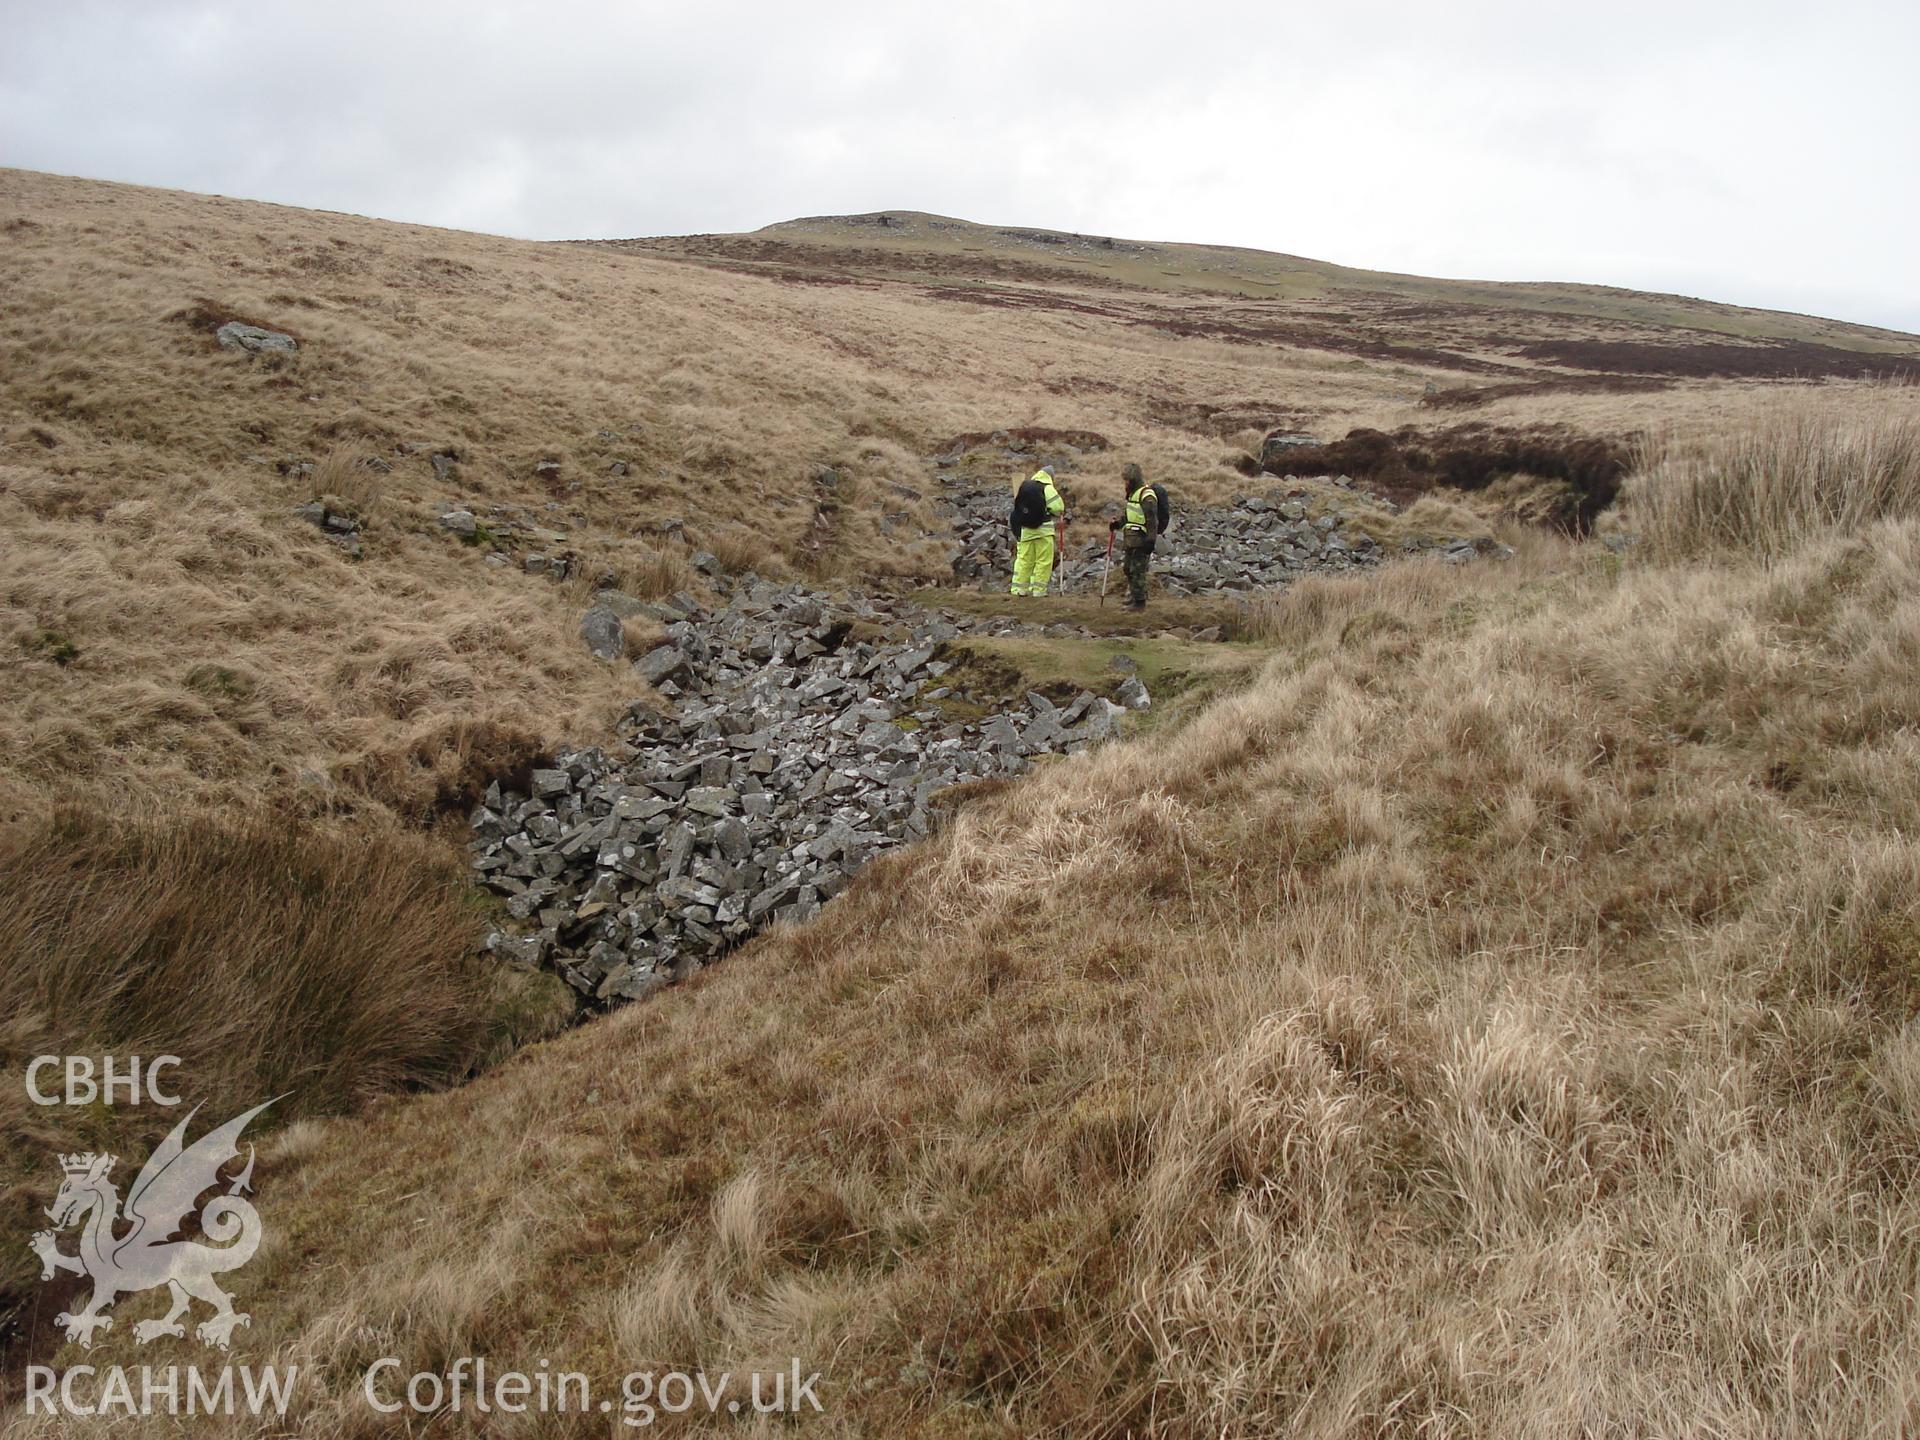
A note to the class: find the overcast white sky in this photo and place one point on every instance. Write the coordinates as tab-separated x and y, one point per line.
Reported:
1757	152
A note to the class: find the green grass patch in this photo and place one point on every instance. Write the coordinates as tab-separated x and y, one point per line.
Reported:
1082	607
222	682
50	645
1178	673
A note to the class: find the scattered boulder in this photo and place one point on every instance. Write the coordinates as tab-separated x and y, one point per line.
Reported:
606	637
460	522
526	951
340	527
622	604
660	664
1276	445
254	339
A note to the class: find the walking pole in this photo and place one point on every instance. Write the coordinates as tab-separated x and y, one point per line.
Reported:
1106	569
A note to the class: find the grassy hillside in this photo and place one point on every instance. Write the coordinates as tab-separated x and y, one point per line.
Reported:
1495	1018
1485	1007
171	628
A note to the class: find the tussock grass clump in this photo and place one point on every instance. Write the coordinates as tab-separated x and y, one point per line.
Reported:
1797	471
347	473
646	569
271	960
266	956
441	768
656	571
738	553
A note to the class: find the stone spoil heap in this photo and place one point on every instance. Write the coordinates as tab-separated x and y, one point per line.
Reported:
798	753
811	735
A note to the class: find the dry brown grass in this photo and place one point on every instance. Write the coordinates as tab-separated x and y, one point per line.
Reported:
350	474
1801	470
1359	608
219	652
326	970
1495	1019
354	956
740	553
657	571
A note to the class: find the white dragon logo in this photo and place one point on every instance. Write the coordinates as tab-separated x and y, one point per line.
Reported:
146	1256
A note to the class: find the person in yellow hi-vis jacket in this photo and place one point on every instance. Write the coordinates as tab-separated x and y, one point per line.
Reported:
1037	522
1146	520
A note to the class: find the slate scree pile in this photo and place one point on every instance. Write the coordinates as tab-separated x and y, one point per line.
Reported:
796	755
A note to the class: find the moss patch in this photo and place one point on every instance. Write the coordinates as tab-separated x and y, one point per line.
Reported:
1060	667
50	645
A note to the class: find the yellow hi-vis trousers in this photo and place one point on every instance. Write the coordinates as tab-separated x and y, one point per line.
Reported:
1033	561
